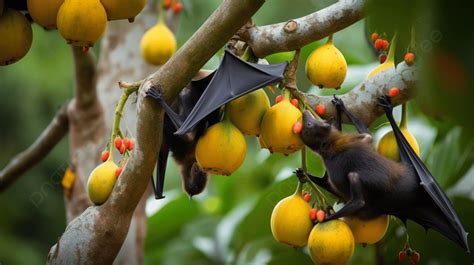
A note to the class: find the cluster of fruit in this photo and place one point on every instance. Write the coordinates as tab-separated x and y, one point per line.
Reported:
408	252
81	23
102	179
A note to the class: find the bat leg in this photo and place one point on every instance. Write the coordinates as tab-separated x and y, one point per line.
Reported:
156	94
356	202
160	173
340	107
322	182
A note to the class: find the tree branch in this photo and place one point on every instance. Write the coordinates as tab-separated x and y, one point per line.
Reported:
95	237
48	139
362	100
85	73
296	33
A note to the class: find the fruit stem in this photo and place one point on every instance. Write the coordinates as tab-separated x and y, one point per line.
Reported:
319	195
392	50
403	122
118	115
329	39
285	92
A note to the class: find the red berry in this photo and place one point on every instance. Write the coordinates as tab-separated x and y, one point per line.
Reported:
409	58
118	142
402	255
118	171
385	45
278	98
411	262
312	214
307	197
415	257
126	142
177	7
321	215
294	101
122	149
393	92
382	58
320	110
297	127
167	4
105	155
378	44
374	36
132	144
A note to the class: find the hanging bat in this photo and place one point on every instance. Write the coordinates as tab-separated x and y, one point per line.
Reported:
198	107
372	185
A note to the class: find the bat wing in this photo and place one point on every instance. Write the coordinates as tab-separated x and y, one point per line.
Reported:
428	182
233	78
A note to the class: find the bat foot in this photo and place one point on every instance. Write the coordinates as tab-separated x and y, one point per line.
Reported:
299	172
384	102
336	101
154	92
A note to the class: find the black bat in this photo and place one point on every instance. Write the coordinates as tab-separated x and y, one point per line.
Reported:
199	107
372	185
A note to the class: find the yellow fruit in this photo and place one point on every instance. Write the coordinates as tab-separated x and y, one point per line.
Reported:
158	44
331	243
101	182
16	34
123	9
277	128
262	143
290	221
246	112
368	231
44	12
388	146
390	62
221	150
82	22
326	66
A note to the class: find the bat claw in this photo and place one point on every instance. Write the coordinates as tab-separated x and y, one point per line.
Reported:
299	172
154	92
336	101
384	101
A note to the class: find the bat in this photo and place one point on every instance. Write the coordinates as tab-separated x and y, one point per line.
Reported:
372	185
233	78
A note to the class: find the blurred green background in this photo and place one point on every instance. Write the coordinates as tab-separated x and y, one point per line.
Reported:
229	222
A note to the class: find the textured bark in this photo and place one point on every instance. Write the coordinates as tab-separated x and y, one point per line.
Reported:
296	33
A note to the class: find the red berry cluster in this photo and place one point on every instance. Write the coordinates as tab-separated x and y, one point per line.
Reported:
381	45
315	214
176	6
124	144
408	252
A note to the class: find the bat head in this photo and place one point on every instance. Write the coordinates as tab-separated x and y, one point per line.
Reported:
315	131
195	181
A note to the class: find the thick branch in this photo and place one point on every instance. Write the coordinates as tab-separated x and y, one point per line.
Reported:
96	236
24	161
362	100
296	33
85	73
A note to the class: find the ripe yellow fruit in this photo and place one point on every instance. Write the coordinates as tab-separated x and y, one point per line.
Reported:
326	66
277	127
290	222
101	182
123	9
82	22
16	34
388	146
158	44
390	62
247	111
262	143
331	242
222	148
368	231
44	12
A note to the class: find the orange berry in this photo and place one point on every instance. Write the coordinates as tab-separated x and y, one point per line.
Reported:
320	215
307	197
132	144
126	142
382	57
167	4
278	98
378	44
374	36
312	214
294	101
118	171
385	45
409	58
105	155
320	110
177	7
122	149
416	257
297	127
118	142
393	92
